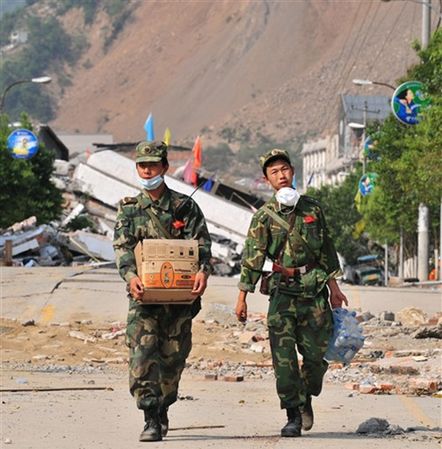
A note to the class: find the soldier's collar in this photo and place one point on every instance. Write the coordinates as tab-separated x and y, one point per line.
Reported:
162	203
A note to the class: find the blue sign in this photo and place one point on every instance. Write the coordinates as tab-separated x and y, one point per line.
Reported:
367	183
22	144
408	102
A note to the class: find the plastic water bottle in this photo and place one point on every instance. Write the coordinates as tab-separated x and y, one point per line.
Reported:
347	338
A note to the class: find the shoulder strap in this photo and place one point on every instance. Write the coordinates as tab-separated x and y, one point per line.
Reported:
290	228
276	217
158	226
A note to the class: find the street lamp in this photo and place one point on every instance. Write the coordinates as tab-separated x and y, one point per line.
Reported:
369	83
39	80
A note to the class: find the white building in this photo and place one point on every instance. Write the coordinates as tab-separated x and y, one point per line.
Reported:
322	163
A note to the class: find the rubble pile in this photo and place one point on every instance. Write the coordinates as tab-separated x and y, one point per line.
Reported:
224	349
395	348
83	235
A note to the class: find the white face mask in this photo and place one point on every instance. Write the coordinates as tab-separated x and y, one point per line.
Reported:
151	184
287	196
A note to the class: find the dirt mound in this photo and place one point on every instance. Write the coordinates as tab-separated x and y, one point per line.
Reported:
273	68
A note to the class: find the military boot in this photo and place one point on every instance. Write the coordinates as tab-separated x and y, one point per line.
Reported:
307	414
294	422
164	421
152	428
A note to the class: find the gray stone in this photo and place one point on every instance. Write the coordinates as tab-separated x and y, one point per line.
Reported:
373	425
429	332
386	316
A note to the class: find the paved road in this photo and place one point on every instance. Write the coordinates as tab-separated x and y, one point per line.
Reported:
247	411
233	416
85	293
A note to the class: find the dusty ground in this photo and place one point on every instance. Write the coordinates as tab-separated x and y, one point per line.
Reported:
64	379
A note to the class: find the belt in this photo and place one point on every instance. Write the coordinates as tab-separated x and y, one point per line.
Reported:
292	272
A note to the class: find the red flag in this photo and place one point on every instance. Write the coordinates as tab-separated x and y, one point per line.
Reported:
197	153
197	159
188	172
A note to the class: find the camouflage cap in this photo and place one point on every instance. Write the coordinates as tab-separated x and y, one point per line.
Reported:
150	152
273	154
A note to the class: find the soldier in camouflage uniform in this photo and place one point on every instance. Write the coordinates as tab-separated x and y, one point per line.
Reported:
291	231
158	336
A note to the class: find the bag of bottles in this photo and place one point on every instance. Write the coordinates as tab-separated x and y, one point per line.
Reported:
347	337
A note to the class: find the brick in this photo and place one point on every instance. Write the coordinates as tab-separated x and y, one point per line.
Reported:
233	378
424	385
335	366
386	387
265	364
367	389
403	369
211	377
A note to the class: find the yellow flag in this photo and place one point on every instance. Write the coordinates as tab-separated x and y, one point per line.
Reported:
359	228
167	136
358	201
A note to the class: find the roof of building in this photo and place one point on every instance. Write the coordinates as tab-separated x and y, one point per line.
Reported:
377	107
312	146
52	141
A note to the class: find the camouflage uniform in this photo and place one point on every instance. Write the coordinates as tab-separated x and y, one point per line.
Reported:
299	314
158	336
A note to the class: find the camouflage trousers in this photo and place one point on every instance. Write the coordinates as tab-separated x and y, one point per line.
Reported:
159	338
306	325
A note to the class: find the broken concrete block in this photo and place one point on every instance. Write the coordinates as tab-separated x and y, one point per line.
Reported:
112	335
246	337
419	358
40	357
82	336
256	347
386	316
411	316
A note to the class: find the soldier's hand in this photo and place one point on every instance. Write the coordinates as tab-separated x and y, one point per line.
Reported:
136	288
200	283
241	309
337	298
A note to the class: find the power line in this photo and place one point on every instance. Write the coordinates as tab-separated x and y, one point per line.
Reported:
387	39
341	57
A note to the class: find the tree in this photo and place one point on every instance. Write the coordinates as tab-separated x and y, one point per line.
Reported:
410	166
25	185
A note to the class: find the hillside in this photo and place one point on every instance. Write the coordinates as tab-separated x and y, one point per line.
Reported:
232	70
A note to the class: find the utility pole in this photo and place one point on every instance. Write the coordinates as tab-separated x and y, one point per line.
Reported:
422	243
364	134
422	226
401	255
426	23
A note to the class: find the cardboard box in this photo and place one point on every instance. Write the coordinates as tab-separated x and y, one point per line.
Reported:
167	269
